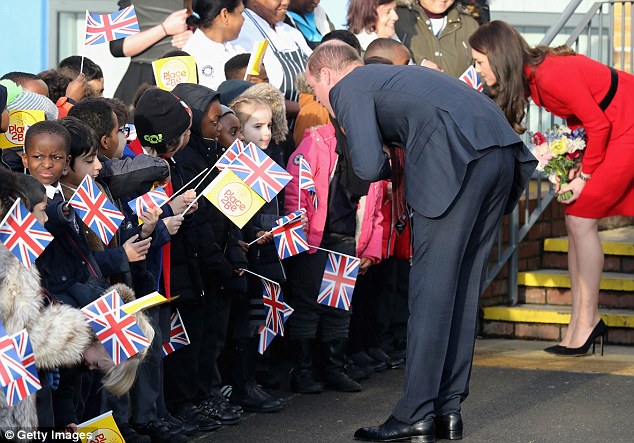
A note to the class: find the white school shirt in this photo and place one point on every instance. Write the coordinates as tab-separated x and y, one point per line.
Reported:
284	38
210	58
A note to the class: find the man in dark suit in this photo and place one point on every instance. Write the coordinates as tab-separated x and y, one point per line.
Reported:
464	168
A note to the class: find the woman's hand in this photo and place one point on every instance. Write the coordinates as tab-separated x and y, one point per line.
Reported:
576	186
431	65
179	40
364	265
175	22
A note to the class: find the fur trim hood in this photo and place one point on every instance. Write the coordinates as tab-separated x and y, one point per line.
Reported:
59	334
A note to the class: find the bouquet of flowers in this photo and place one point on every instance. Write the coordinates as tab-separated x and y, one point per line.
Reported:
558	150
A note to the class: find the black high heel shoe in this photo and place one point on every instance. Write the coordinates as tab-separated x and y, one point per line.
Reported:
599	331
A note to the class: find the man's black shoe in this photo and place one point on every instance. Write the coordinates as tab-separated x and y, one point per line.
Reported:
449	427
394	430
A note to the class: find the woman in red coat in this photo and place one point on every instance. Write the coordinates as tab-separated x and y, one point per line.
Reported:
585	93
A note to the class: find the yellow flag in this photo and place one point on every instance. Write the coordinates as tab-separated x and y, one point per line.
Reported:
144	302
233	198
18	121
171	71
257	55
100	429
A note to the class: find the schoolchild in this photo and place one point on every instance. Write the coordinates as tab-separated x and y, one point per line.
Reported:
206	257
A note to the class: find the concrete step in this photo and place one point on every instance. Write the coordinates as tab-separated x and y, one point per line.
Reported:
548	322
618	241
559	278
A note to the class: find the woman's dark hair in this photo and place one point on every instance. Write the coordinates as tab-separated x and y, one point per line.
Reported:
15	185
208	10
56	82
71	66
509	55
362	15
83	140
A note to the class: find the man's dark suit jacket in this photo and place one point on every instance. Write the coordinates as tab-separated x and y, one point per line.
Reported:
442	124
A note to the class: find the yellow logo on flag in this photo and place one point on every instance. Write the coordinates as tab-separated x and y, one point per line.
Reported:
18	121
171	71
233	198
257	55
102	429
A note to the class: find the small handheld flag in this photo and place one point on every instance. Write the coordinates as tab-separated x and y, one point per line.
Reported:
178	335
156	198
471	78
117	331
23	235
95	210
29	383
340	277
289	236
103	28
230	155
260	172
11	367
277	312
307	181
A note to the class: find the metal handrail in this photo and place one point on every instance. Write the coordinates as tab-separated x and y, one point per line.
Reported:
592	27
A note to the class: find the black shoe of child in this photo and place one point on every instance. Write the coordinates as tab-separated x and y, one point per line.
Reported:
131	436
160	433
219	409
254	399
191	414
188	428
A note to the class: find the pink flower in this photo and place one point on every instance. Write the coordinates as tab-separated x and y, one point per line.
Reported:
543	154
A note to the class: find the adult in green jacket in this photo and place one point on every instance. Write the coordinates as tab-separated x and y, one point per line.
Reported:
436	33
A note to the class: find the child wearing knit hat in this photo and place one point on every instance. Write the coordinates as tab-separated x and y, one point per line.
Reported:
162	122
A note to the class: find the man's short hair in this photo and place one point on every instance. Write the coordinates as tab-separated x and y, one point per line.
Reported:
236	64
334	55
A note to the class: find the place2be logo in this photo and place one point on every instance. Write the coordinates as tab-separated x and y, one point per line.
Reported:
19	120
172	71
235	198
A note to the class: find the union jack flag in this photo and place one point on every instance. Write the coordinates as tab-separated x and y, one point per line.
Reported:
19	389
95	210
470	77
260	172
178	335
340	276
230	155
11	367
277	312
102	28
307	180
23	235
117	331
266	337
289	236
153	199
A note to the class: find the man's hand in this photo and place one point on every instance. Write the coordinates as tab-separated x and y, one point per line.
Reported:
173	223
136	250
149	218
